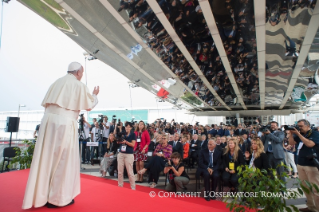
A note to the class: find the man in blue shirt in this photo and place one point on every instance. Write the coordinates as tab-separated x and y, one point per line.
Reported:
307	143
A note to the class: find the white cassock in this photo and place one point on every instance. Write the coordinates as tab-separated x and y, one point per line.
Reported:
55	170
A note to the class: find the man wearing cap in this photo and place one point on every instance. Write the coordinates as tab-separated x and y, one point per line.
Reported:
54	178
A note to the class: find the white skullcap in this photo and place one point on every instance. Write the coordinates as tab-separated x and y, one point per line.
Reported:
74	66
197	8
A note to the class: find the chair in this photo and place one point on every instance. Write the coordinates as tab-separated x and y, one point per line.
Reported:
8	154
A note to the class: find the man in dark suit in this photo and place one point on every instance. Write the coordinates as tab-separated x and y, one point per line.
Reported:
246	144
213	131
209	165
272	140
202	144
177	146
240	130
193	148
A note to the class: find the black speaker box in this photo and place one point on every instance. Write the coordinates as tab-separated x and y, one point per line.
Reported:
12	124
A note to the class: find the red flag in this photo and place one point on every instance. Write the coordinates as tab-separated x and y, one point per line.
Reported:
162	93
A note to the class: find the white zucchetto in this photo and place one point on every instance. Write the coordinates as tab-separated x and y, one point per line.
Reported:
74	66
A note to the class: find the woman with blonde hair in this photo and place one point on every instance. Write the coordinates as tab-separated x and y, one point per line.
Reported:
109	156
233	157
258	158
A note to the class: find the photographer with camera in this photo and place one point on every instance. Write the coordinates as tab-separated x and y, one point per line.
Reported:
178	178
95	133
273	139
106	132
85	134
307	142
125	156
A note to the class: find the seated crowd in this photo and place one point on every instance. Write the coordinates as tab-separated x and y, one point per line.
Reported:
171	148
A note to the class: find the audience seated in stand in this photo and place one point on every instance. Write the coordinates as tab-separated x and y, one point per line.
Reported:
109	156
210	165
257	158
233	157
185	146
161	155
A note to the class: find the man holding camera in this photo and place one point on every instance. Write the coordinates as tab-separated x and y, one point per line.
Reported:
86	135
273	140
106	132
307	141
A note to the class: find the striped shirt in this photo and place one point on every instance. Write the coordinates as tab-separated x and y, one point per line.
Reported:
167	150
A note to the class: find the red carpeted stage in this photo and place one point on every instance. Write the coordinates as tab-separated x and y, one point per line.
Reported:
98	194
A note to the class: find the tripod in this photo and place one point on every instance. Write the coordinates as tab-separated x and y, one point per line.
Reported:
81	140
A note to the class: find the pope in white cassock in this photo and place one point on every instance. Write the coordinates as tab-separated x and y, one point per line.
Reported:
54	178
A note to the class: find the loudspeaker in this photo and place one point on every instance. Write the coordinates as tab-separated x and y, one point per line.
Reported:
12	124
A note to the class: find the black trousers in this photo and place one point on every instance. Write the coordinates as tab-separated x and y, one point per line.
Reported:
155	166
210	181
193	157
230	180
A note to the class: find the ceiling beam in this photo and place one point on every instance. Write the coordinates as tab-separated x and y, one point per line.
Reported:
305	47
170	30
210	20
260	24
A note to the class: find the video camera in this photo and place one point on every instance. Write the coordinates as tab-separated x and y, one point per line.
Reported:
264	128
100	121
293	127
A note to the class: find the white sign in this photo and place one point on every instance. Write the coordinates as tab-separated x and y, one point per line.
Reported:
92	143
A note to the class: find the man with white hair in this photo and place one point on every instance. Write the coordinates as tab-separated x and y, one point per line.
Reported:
209	165
54	178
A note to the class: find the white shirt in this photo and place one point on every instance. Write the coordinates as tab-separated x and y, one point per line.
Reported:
86	131
106	131
95	133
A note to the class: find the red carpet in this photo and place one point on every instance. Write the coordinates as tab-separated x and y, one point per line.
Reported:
98	194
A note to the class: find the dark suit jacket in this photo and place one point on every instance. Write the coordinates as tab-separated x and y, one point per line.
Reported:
191	147
220	132
246	146
240	160
194	132
240	133
203	159
178	147
261	162
201	145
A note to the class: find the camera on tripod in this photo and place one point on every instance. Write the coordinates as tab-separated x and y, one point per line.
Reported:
100	121
81	122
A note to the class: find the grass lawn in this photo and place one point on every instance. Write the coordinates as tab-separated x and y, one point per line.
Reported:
46	12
